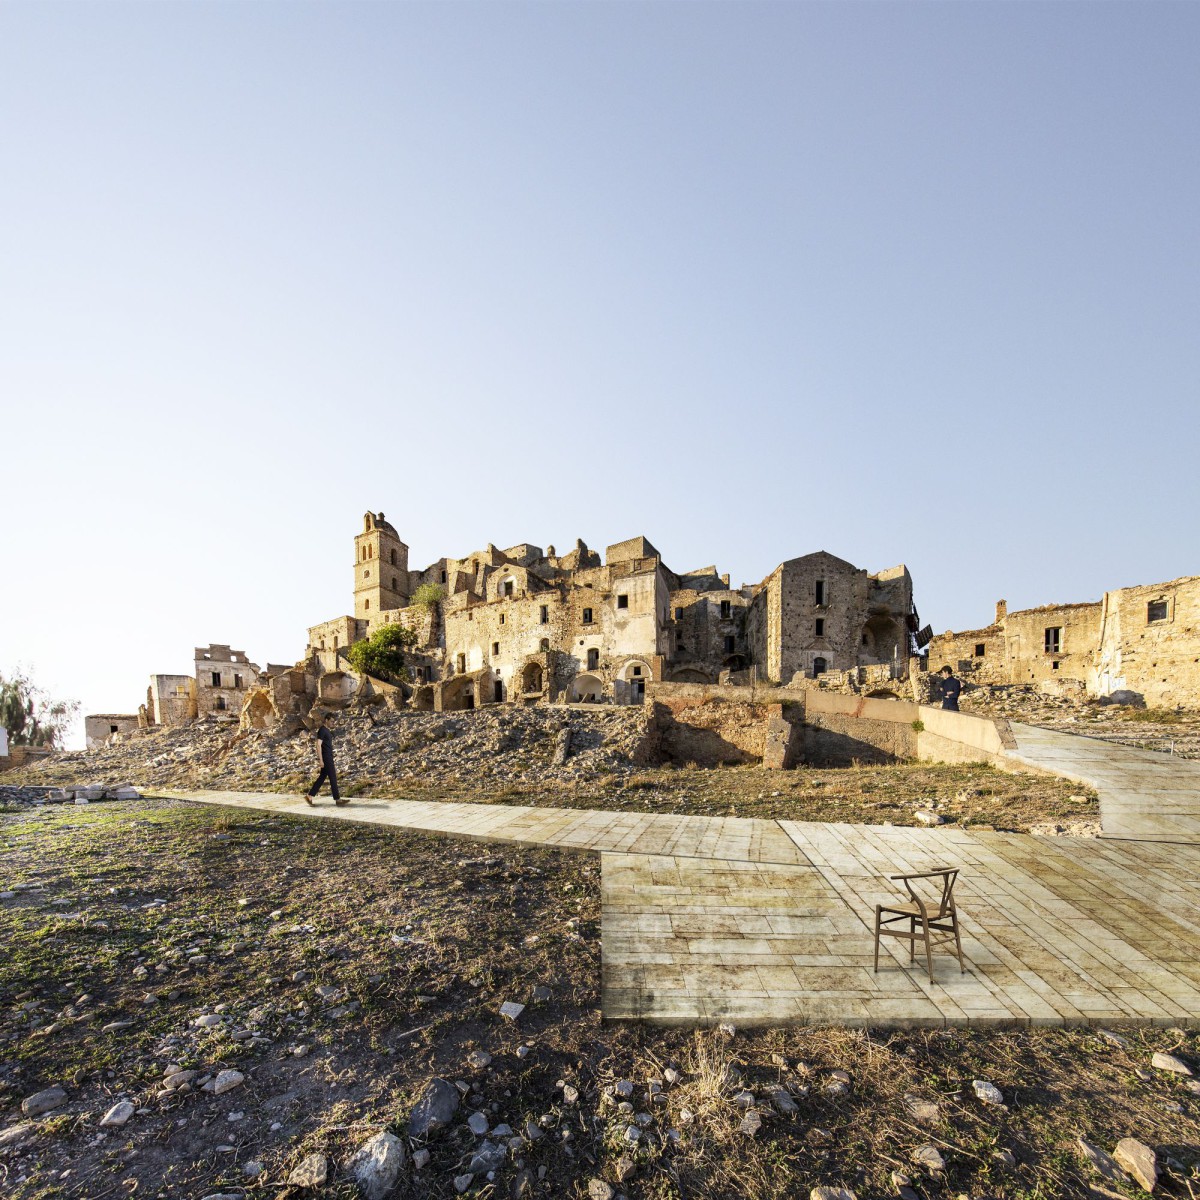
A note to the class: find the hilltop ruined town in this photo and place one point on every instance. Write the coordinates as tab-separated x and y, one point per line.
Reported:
529	626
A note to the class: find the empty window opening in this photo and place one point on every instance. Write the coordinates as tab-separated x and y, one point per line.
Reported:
495	648
461	663
1054	665
729	645
216	678
112	729
726	610
221	702
593	659
1156	610
501	618
443	576
367	604
820	597
544	644
237	681
819	629
394	583
508	587
545	614
587	616
980	650
1053	641
679	614
367	573
498	691
636	671
392	558
622	601
865	639
819	667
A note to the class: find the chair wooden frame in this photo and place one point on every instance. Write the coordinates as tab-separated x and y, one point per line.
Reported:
938	923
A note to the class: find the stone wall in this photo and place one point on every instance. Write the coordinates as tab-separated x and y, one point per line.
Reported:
223	678
171	699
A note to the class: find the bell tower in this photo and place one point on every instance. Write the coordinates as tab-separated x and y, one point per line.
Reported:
380	569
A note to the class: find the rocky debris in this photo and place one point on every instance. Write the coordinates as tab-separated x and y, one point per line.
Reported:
501	742
925	1111
1113	1039
226	1081
478	1124
751	1124
118	1114
1103	1162
599	1190
1005	1158
781	1100
376	1165
14	1135
1138	1160
462	1182
1168	1062
478	1060
312	1172
435	1108
43	1101
511	1009
987	1093
929	1157
831	1193
421	1158
927	816
488	1157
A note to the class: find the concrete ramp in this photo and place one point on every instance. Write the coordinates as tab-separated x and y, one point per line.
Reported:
1144	795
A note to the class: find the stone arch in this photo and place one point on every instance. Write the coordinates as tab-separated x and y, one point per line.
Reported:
532	679
690	675
628	671
259	712
882	694
336	687
734	662
586	687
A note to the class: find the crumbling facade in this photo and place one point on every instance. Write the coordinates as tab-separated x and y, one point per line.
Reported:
527	625
1137	643
100	728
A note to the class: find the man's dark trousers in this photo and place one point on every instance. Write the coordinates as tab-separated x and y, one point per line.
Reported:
327	772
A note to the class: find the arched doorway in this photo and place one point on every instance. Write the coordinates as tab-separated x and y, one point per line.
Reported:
531	679
819	667
586	689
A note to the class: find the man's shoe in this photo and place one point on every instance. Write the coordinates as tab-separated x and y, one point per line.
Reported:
310	800
341	803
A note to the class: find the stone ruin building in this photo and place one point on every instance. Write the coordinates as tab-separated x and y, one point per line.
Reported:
530	625
1138	644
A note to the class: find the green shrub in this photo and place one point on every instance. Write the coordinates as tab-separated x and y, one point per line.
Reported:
428	595
383	652
918	726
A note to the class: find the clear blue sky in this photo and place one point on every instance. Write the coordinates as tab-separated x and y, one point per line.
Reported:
910	283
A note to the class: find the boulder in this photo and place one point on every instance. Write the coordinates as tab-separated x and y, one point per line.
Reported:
43	1101
1139	1160
435	1108
376	1165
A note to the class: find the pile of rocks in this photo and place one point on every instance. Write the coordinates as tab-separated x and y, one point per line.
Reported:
373	746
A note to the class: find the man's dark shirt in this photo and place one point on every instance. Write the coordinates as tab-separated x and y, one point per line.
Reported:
950	690
326	739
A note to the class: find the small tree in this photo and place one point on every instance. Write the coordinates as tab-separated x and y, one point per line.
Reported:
428	595
383	652
30	716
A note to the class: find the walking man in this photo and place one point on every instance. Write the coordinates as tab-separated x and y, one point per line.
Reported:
324	746
951	687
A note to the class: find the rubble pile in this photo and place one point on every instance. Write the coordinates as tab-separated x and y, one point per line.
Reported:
373	746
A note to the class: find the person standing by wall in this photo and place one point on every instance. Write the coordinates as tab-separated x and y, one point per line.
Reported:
324	747
951	687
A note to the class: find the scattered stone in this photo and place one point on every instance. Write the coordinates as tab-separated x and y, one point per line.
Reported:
376	1165
252	1169
1102	1162
926	817
478	1123
1114	1039
479	1059
781	1100
541	994
929	1157
922	1110
462	1182
14	1135
511	1009
632	1134
744	1099
522	1051
311	1173
599	1190
1168	1062
43	1101
421	1159
751	1124
207	1021
226	1081
623	1088
115	1026
831	1193
1006	1158
987	1092
570	1093
119	1113
1139	1160
672	1075
435	1108
626	1169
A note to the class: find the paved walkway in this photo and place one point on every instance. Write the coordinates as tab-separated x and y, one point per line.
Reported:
708	919
1143	794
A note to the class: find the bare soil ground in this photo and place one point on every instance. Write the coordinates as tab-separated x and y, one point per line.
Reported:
341	967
